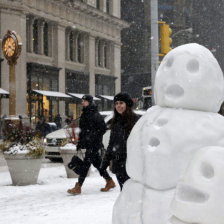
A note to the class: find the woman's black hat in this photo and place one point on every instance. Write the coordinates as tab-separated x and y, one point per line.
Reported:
125	98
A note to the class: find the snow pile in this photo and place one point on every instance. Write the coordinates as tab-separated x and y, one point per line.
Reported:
68	146
17	148
48	201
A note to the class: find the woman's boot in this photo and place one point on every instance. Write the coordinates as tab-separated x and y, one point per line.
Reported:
76	190
110	184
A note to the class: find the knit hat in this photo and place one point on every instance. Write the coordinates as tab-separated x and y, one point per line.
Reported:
88	98
125	98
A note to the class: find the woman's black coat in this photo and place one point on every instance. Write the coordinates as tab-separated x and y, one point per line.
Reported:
117	148
92	127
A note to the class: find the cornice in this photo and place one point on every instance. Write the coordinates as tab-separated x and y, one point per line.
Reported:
79	15
66	14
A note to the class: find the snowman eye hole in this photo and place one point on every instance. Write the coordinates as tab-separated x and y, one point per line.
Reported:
207	170
193	66
161	122
169	62
154	142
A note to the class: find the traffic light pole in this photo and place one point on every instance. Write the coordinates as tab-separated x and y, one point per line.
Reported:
154	43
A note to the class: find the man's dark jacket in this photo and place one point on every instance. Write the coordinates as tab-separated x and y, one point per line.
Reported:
92	127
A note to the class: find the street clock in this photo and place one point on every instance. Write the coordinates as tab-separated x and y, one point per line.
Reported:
11	46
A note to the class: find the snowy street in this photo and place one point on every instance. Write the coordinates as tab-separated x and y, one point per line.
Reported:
48	201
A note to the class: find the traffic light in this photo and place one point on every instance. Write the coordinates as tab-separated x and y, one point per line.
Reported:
165	38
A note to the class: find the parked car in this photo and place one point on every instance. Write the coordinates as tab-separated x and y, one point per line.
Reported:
54	139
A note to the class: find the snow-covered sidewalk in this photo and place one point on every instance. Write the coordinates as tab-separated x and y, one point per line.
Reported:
48	202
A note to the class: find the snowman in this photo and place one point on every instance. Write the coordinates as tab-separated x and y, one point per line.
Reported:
189	90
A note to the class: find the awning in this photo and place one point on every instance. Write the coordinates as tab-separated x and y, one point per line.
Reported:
107	97
4	93
52	94
80	95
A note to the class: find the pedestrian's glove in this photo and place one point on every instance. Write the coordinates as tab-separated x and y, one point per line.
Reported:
78	148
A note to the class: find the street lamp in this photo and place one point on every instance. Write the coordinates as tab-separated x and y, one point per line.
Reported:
189	30
182	37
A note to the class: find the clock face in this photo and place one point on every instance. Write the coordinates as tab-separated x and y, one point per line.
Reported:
9	47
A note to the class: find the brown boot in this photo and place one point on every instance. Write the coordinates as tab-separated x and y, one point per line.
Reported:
110	184
76	190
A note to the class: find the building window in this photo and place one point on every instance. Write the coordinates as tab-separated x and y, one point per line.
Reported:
46	39
108	6
102	55
96	52
71	46
80	48
28	34
105	85
99	54
98	4
75	46
105	56
35	36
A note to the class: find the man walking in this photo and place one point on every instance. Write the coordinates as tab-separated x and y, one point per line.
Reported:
92	128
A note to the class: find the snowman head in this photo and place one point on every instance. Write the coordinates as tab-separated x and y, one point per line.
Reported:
189	77
199	194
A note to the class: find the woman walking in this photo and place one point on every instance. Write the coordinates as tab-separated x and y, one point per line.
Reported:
122	123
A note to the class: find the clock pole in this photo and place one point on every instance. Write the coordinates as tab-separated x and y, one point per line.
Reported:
12	46
12	90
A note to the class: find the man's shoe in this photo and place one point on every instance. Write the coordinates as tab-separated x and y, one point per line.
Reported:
76	190
110	184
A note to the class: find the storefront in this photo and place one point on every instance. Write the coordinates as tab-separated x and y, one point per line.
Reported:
42	92
77	84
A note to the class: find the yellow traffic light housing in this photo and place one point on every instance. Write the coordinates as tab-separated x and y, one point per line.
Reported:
165	38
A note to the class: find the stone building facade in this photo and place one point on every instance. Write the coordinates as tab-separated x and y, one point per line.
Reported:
68	46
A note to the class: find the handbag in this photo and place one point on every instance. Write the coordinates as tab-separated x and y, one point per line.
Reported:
76	164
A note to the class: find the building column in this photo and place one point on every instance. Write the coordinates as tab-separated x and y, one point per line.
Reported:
91	66
116	8
116	66
60	52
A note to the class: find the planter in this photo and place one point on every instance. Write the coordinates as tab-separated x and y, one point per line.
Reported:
67	153
24	170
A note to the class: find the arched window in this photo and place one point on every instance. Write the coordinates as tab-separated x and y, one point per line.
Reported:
80	48
98	4
46	39
71	46
96	52
108	6
99	54
35	36
105	56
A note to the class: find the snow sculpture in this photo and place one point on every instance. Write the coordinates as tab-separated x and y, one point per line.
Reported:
199	194
189	90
